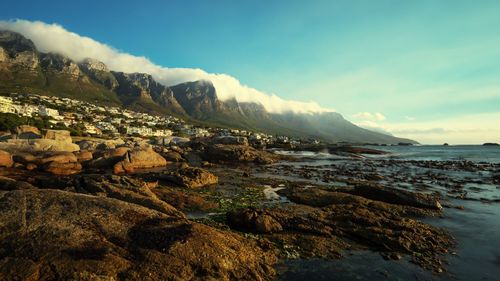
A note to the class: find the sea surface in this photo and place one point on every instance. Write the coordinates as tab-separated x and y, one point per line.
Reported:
476	228
475	153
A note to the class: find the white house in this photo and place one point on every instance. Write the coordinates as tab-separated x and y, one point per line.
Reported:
6	105
45	111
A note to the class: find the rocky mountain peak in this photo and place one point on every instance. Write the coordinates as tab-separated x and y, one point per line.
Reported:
91	80
142	81
14	43
196	89
89	64
17	51
59	63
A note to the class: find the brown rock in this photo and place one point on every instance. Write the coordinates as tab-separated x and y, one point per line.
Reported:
183	200
173	156
395	196
58	135
83	155
191	177
139	159
28	132
6	159
22	129
267	224
107	159
232	140
38	145
24	158
341	221
31	167
116	152
59	163
67	236
11	184
237	153
125	189
63	169
58	157
253	220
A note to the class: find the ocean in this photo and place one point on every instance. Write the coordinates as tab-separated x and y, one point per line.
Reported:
475	153
476	227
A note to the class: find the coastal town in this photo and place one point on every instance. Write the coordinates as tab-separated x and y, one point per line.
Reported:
87	119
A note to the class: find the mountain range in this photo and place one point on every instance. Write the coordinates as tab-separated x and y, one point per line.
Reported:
24	69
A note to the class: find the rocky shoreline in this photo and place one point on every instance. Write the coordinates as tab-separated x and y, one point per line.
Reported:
207	210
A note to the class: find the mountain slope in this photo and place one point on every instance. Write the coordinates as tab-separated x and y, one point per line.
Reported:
24	69
200	100
141	91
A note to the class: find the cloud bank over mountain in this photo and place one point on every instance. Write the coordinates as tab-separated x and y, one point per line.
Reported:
55	38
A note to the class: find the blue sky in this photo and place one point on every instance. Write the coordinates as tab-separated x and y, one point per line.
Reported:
431	69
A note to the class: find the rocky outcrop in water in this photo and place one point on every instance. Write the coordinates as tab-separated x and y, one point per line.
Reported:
345	221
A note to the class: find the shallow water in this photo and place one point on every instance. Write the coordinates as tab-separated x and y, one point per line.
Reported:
476	257
476	228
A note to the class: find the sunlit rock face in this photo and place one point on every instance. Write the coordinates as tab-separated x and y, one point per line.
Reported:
60	64
17	50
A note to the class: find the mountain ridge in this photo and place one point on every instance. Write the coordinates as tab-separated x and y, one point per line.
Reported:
24	68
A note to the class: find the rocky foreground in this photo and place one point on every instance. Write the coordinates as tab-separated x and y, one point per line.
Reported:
124	210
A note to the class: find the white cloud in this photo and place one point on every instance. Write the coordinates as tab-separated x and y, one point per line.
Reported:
55	38
465	129
368	116
374	126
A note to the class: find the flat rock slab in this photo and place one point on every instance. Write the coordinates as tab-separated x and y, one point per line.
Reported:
59	235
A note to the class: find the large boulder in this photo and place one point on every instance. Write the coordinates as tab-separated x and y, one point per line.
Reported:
230	140
139	159
171	140
63	169
53	145
237	153
107	159
191	177
57	235
11	184
253	220
58	157
38	145
6	159
116	152
28	132
123	188
394	196
349	222
110	144
87	144
185	201
24	158
60	163
58	135
173	156
83	155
